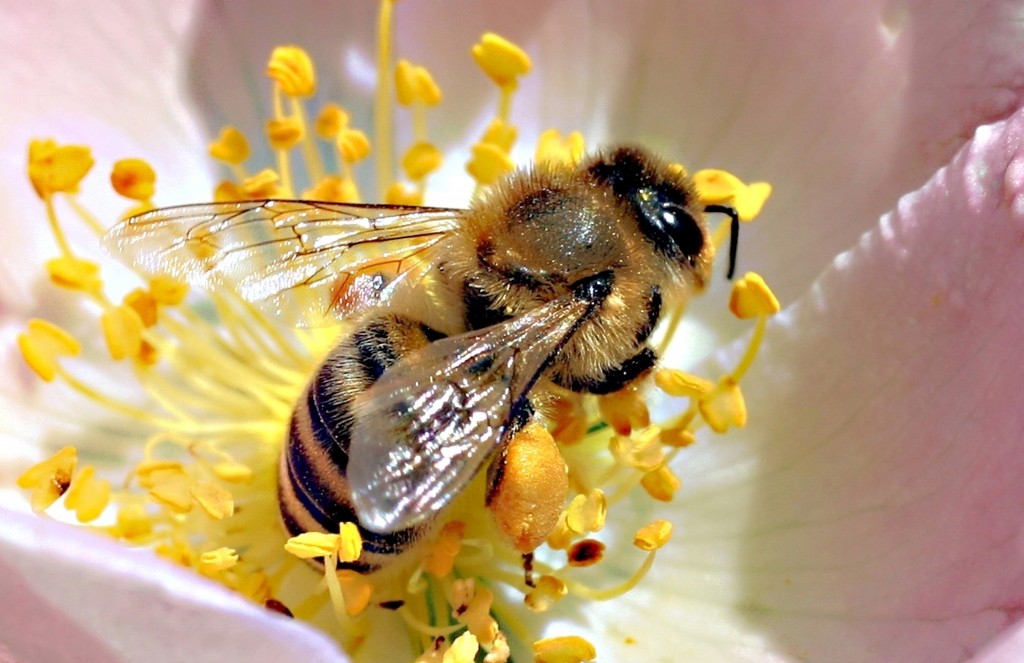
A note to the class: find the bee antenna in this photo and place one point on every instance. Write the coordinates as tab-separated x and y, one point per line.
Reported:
734	233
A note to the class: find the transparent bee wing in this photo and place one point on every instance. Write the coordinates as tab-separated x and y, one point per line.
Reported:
304	259
432	420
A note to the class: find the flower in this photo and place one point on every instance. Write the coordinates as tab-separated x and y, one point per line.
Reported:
871	509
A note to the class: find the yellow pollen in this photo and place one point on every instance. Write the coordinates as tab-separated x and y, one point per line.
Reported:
564	649
501	60
415	85
57	169
87	496
228	191
309	545
652	536
501	134
122	329
463	650
284	133
353	145
661	483
350	543
401	194
220	559
173	490
560	150
679	383
144	304
488	163
50	478
231	146
420	160
716	186
133	523
586	513
292	69
134	179
751	199
723	407
232	472
216	501
625	410
440	558
75	274
678	169
643	452
41	345
333	188
548	591
167	291
331	120
264	184
752	297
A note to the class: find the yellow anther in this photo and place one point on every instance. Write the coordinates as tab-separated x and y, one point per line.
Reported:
625	410
643	452
501	134
221	559
478	616
87	496
661	483
144	304
263	184
149	471
565	649
75	274
415	85
402	194
133	523
292	69
133	178
350	543
353	145
313	544
227	192
561	536
548	591
420	160
488	163
173	490
178	552
230	147
216	501
677	437
122	329
463	650
749	201
677	169
560	150
42	343
50	478
681	384
356	589
440	558
331	120
716	186
752	297
500	651
501	60
653	535
57	169
284	133
333	188
586	513
724	406
167	291
232	472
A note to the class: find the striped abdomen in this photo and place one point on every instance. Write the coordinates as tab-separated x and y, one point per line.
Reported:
313	490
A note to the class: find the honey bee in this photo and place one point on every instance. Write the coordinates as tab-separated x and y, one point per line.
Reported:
461	319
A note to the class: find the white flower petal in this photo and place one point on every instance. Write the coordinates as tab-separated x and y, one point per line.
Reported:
71	595
871	511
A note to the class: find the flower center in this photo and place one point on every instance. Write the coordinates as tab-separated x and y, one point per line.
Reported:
219	382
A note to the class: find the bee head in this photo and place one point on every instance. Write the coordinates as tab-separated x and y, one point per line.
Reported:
664	203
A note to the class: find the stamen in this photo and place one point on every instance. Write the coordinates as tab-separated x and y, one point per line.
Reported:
134	179
50	478
87	496
565	649
41	345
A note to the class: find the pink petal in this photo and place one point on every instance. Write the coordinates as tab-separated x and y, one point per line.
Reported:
70	595
872	509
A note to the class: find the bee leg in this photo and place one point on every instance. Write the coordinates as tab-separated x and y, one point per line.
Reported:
615	378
